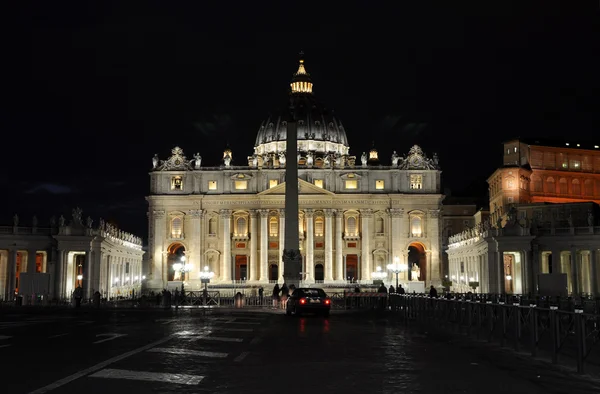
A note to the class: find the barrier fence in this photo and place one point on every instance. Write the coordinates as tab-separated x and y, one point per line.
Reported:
539	330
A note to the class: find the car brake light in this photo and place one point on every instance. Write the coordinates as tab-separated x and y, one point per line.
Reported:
303	300
327	302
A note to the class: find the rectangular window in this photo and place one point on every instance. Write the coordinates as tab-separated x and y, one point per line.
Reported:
241	185
177	183
273	183
416	182
319	183
351	185
379	184
212	185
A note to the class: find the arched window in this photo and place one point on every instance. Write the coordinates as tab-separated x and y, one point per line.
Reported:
379	225
212	226
562	186
588	187
351	225
416	227
273	229
550	185
537	184
576	185
176	227
319	226
241	226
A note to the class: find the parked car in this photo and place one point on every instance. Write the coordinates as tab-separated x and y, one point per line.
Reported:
311	300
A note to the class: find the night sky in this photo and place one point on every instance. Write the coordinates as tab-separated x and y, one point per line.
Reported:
90	91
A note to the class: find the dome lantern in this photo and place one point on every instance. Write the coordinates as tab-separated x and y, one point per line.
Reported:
301	81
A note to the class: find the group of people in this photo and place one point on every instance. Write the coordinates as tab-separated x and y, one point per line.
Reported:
400	290
280	300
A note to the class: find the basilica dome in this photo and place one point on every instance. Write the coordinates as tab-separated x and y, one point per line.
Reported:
320	131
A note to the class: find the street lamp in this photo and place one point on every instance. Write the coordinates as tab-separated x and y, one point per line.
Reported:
205	277
379	274
79	279
396	268
182	267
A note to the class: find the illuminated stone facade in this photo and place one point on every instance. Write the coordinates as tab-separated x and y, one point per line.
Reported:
355	215
51	261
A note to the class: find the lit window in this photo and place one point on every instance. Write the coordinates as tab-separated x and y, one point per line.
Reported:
416	182
212	185
351	185
241	227
241	185
510	200
564	165
273	226
177	183
273	183
319	183
319	227
515	149
415	226
351	225
379	184
212	226
176	228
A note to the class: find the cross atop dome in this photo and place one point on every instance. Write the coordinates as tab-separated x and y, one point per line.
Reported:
301	81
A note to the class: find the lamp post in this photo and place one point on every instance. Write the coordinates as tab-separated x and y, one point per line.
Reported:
205	277
182	268
396	268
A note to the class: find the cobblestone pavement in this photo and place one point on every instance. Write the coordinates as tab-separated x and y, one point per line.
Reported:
187	351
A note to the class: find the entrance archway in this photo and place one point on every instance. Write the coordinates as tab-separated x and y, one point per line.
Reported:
273	272
418	257
241	267
319	272
351	267
176	252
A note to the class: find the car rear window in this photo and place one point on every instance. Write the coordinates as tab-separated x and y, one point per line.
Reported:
314	293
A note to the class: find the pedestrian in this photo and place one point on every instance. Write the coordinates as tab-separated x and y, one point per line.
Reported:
285	292
433	292
78	295
401	290
392	290
261	291
276	295
383	295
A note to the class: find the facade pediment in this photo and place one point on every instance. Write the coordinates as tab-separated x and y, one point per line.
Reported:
303	188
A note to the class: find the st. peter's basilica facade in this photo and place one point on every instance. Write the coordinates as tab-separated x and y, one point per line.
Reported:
356	214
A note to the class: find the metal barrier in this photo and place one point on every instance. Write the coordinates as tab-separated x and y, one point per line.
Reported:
538	330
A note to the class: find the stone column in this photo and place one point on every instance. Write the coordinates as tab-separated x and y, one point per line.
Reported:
501	273
310	245
328	246
556	261
535	268
157	240
525	272
31	261
264	245
575	271
87	275
253	266
59	288
281	244
195	234
339	249
365	236
11	270
594	271
433	233
226	253
396	215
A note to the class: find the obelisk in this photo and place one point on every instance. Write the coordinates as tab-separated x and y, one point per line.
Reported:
291	252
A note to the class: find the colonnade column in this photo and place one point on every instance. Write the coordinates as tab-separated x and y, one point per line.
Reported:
365	236
310	245
328	245
31	261
157	240
594	270
253	246
339	260
396	230
12	272
196	234
574	271
264	245
226	253
87	275
58	278
433	232
281	244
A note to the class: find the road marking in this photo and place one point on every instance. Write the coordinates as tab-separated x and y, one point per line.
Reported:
87	371
241	356
1	346
81	323
223	339
250	318
233	329
255	341
178	378
58	335
4	337
187	352
241	322
166	321
110	336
